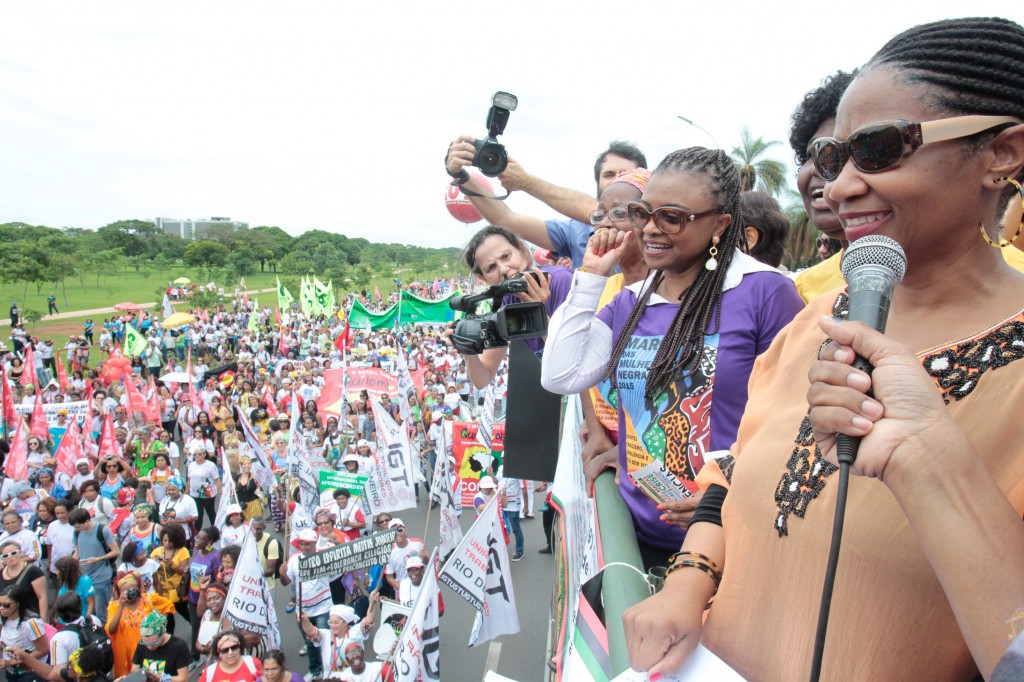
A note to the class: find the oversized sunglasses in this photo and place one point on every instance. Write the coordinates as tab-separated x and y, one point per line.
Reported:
882	146
617	214
668	219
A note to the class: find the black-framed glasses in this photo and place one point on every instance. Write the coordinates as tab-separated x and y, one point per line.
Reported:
885	145
668	219
228	649
616	214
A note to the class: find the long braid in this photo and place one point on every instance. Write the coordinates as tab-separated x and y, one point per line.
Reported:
684	340
974	64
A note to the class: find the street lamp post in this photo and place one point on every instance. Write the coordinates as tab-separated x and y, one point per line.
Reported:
701	128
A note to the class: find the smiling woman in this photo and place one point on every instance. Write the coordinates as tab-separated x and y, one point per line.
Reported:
678	346
938	500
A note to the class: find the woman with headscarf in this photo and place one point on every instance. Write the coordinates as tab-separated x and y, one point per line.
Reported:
129	605
177	509
46	483
328	535
121	519
160	651
234	529
158	477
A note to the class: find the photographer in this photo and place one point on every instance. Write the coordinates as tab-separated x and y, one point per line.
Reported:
565	237
496	254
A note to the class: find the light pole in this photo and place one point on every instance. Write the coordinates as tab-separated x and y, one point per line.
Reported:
699	127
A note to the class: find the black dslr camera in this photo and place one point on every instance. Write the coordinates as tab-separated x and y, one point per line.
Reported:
476	333
491	157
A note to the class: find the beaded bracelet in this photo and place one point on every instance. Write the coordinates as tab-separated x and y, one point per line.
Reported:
695	560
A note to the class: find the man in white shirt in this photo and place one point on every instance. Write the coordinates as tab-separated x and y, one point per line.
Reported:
403	550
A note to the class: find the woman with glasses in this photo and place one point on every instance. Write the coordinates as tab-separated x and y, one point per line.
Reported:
111	473
230	664
677	346
22	629
928	148
17	571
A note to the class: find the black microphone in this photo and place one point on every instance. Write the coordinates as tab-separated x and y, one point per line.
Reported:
872	267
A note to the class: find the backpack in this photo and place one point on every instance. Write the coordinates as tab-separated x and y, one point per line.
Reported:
103	543
91	634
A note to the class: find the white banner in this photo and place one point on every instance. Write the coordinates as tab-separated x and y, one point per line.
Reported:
390	487
486	418
579	536
248	596
418	654
76	410
405	385
449	504
478	571
227	492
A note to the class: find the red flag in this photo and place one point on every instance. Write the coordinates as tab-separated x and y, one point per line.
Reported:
136	403
40	429
28	376
115	367
16	464
9	414
70	450
62	376
153	403
277	315
376	293
344	340
108	441
192	395
268	396
417	380
245	298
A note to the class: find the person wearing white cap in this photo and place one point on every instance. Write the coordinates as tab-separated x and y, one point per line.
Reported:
234	527
316	597
343	628
404	549
409	588
84	473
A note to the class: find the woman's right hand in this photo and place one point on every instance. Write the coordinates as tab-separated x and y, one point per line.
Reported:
604	250
661	636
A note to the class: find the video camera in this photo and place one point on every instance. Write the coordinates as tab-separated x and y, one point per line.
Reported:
491	157
476	333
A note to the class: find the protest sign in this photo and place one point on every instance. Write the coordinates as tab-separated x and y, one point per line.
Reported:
390	486
472	458
76	410
443	493
392	619
332	480
373	380
372	550
249	603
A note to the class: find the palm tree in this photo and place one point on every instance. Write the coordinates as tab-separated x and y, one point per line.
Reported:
765	175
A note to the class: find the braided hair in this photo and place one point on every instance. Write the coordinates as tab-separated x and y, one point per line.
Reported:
818	105
973	64
684	341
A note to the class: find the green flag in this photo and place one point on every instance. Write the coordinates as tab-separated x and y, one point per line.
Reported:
134	342
284	298
306	298
321	294
254	320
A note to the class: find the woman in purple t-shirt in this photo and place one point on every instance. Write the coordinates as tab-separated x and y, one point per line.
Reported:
688	333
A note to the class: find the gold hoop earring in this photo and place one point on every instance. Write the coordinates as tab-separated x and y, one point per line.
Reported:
1020	228
712	262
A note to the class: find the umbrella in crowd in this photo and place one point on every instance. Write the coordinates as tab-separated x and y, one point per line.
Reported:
183	280
128	307
178	320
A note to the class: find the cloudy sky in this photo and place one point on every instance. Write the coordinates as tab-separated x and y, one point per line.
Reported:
336	115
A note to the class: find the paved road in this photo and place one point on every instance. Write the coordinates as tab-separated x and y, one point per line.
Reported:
520	657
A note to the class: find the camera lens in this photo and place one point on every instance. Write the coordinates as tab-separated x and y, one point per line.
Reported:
491	159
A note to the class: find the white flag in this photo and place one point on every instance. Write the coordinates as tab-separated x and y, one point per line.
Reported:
450	505
227	492
478	570
405	385
486	418
418	653
248	596
390	487
168	310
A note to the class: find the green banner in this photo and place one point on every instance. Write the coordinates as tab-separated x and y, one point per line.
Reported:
412	310
332	480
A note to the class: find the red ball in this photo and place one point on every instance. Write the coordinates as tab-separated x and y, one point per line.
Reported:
459	205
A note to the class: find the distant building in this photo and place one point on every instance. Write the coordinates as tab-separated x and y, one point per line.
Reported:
191	230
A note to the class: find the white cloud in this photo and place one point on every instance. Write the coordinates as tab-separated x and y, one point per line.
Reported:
336	115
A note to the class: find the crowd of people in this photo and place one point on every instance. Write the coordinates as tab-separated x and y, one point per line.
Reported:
691	349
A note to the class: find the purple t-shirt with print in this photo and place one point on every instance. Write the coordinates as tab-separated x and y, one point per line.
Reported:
683	424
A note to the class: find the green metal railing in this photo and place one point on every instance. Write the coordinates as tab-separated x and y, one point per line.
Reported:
621	587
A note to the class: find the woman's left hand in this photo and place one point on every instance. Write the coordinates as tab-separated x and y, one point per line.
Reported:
536	292
904	416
